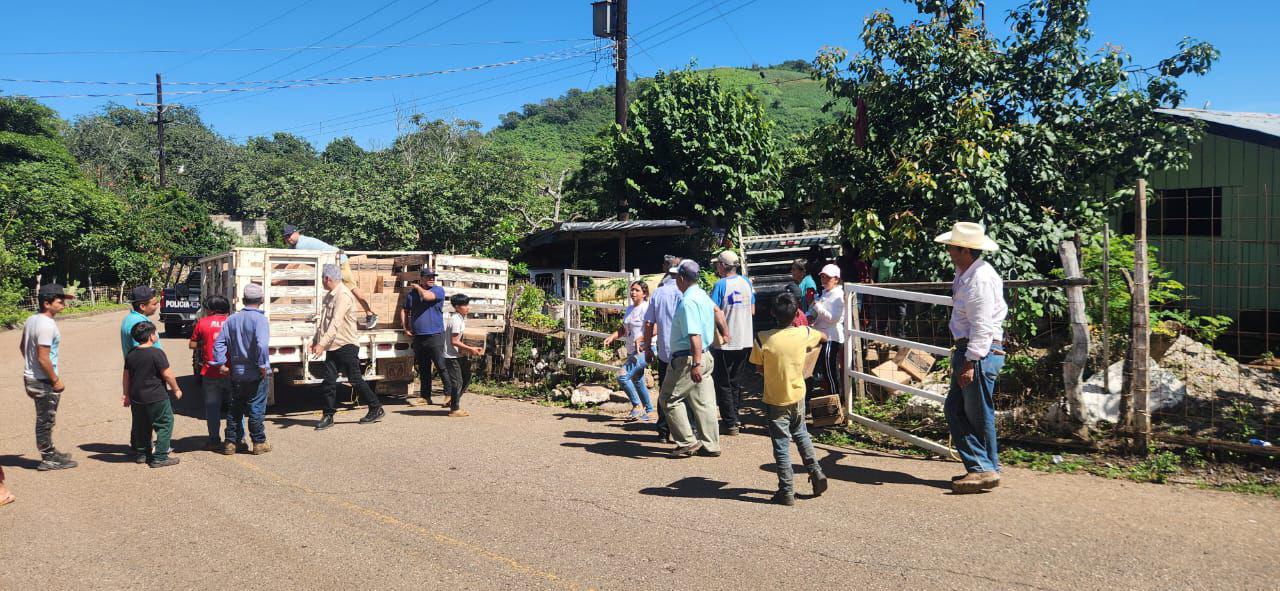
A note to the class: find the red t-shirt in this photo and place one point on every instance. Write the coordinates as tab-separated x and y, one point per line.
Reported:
205	333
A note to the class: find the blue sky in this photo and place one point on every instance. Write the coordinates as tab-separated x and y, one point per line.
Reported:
551	40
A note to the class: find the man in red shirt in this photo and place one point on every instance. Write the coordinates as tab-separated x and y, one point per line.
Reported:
217	387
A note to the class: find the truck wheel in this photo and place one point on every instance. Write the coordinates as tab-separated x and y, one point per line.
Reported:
173	329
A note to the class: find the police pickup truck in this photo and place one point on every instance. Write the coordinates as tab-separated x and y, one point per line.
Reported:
180	302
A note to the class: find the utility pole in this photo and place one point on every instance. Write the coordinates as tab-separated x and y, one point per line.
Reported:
159	123
620	94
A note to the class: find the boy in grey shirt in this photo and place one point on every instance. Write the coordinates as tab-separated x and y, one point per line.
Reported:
40	377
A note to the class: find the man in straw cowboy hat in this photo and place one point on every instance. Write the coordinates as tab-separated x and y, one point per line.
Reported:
977	314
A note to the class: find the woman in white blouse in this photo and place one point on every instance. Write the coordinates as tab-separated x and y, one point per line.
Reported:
827	316
632	377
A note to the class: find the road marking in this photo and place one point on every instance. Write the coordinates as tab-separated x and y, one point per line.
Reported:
439	538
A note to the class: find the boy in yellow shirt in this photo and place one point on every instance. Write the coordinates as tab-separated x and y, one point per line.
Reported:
781	354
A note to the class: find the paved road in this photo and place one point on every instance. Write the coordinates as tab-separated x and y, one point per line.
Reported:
520	496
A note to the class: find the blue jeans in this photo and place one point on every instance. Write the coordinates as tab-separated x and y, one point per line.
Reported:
632	382
248	400
971	413
217	395
786	423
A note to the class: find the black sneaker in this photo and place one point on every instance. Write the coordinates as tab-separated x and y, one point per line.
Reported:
732	430
685	451
139	458
783	497
371	321
708	453
57	463
375	415
819	482
325	422
169	461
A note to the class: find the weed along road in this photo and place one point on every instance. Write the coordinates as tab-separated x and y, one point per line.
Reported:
520	496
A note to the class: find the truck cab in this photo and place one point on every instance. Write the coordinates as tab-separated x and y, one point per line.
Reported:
180	298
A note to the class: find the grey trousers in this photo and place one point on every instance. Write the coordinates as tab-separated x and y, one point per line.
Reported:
682	397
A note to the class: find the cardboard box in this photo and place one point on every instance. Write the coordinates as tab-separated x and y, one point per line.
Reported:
915	362
890	371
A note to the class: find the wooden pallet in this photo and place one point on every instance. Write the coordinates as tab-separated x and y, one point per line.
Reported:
484	280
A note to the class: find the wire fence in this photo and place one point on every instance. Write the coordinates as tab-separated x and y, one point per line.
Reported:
85	296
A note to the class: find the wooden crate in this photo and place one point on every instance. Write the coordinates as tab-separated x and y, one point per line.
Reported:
484	280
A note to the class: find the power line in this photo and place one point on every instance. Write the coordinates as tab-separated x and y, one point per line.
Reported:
294	48
325	38
735	34
245	34
314	82
405	40
698	25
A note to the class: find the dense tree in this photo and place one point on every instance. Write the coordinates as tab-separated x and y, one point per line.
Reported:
1032	134
694	150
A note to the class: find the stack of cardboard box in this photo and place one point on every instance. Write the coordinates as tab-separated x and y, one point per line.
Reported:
905	366
375	279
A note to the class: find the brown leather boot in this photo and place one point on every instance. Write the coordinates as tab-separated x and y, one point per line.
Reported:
974	482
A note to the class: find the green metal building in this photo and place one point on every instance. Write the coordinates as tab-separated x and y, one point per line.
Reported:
1217	224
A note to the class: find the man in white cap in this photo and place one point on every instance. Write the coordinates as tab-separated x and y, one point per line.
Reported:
977	315
735	298
242	351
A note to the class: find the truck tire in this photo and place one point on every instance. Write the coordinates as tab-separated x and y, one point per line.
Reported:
173	330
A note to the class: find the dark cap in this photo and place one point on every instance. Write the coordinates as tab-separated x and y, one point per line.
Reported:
428	272
142	293
289	229
50	290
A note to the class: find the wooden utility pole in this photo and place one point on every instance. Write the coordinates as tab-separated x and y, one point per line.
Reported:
620	92
1141	329
1078	354
159	123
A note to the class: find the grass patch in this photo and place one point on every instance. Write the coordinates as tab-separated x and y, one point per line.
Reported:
1245	488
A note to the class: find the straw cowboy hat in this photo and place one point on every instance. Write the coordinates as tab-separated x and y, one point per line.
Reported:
968	235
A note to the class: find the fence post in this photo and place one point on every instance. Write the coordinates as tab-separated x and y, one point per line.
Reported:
1078	355
509	334
853	354
1106	306
1141	328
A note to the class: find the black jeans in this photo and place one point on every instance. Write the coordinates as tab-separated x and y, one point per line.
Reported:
459	372
428	349
345	359
727	374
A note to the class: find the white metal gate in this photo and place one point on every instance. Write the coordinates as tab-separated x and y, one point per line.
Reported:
855	376
573	321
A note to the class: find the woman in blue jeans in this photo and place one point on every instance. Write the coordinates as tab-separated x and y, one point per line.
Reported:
632	377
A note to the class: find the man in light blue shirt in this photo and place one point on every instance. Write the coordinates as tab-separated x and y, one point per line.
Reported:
145	303
298	241
689	380
241	350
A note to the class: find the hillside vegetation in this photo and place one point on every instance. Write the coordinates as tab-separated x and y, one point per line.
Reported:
557	132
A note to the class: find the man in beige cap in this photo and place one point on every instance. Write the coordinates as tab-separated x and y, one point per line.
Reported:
977	315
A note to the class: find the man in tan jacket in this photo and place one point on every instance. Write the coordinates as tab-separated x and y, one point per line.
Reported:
336	340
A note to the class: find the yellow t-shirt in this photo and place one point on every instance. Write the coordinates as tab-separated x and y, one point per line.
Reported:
781	354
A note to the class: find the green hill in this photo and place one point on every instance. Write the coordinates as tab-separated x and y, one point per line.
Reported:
556	132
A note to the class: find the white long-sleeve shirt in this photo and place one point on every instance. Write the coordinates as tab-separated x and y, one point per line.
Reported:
978	309
828	314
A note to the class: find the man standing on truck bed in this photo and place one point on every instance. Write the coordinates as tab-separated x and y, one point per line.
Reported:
422	316
336	340
299	241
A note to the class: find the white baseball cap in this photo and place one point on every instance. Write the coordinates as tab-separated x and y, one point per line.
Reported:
830	270
727	257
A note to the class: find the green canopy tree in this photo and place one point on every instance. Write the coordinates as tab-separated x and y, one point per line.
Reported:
1033	134
694	150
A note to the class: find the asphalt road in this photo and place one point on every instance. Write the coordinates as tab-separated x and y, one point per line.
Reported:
520	496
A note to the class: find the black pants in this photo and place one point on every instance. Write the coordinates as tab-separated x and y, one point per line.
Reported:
345	359
727	374
428	350
830	360
661	423
459	372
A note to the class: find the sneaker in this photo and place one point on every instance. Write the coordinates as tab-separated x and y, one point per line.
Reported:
57	463
169	461
261	448
326	421
708	453
228	449
635	415
139	458
213	445
375	415
783	497
370	321
685	451
645	418
732	430
819	483
459	413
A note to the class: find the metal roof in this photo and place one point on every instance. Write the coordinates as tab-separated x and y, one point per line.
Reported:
1263	123
569	230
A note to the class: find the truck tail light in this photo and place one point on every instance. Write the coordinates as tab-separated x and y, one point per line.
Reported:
385	347
287	350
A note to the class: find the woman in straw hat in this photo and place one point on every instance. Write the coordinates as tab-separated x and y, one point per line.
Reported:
977	315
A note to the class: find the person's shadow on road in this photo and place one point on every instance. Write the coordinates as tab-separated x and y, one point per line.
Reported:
834	470
119	453
16	461
613	444
699	487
